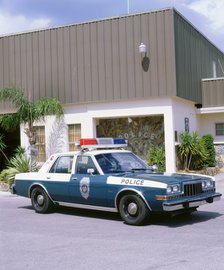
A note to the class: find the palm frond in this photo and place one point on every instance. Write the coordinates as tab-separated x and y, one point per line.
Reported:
13	95
9	121
2	143
48	106
23	163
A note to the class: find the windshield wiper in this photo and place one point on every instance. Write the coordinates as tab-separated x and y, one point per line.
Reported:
139	169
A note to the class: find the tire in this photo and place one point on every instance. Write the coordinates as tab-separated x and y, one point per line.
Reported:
133	210
40	200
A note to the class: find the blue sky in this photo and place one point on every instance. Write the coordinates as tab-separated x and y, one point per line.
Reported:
24	15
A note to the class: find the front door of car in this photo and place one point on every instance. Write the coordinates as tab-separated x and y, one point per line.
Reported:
87	186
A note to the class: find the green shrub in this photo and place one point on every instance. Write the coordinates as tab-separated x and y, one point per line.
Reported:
156	156
210	149
19	163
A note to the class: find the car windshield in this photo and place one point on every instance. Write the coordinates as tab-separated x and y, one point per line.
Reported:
120	162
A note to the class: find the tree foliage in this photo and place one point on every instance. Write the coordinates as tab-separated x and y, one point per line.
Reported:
27	111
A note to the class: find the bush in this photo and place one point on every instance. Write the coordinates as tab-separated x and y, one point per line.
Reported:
19	163
210	149
156	156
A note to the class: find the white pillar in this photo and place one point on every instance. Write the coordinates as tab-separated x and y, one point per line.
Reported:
169	141
88	128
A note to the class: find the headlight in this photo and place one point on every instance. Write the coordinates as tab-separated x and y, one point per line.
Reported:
169	190
173	189
176	188
207	184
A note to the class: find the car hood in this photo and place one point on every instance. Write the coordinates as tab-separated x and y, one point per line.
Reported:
166	178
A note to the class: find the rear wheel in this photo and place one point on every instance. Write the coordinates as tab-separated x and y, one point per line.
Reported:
133	210
40	200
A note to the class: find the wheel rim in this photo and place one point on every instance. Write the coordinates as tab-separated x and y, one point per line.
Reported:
132	209
40	199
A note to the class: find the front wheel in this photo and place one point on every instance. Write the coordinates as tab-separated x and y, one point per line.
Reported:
133	210
40	200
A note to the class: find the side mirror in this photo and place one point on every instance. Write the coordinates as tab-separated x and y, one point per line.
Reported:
155	167
90	171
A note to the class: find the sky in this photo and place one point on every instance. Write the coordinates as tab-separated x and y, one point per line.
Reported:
25	15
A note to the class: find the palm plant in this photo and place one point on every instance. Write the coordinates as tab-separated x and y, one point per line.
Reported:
191	148
156	156
2	147
27	112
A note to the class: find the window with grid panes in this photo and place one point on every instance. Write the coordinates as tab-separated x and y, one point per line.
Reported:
74	135
40	143
219	129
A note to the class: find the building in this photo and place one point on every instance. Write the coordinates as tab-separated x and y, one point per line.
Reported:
109	88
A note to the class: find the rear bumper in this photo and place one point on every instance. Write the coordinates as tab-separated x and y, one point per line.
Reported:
190	203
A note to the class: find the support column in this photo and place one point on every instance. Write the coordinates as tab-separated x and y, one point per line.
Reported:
169	141
88	128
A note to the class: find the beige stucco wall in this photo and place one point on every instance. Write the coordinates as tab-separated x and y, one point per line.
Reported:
207	125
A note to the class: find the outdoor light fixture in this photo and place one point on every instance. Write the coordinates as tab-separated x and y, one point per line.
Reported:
145	60
142	48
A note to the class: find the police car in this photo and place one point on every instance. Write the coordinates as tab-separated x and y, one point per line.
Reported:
105	178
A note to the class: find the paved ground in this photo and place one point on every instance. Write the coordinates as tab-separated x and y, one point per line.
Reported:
80	239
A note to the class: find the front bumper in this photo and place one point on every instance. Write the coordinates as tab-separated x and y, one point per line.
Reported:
190	203
13	189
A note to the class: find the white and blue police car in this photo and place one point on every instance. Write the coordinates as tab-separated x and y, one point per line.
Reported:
104	178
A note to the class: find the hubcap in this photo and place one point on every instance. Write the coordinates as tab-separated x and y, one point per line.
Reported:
132	208
40	199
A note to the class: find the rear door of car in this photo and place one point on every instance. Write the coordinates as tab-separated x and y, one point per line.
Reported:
58	178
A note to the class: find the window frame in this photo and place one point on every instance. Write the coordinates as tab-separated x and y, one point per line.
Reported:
41	145
220	129
74	130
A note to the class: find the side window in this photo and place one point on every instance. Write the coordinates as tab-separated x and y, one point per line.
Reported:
62	165
84	163
219	129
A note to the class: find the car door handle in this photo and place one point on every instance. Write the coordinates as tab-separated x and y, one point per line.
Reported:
74	178
48	177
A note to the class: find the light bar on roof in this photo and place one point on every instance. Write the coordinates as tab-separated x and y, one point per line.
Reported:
103	143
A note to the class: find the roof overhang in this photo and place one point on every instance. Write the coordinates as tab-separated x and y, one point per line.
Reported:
209	110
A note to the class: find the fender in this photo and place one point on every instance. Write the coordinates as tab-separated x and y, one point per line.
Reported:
39	185
131	190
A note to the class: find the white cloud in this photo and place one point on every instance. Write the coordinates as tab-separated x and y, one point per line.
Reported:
213	10
19	23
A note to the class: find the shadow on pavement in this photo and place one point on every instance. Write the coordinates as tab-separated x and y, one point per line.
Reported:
155	219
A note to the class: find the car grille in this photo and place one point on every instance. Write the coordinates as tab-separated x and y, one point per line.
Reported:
193	189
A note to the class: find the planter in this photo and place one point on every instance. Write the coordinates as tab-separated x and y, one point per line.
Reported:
4	186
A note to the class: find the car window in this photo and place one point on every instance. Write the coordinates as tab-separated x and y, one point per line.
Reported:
120	162
62	165
83	163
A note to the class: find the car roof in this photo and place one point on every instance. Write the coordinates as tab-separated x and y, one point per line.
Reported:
92	152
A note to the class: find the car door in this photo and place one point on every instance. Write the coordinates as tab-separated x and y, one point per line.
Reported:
87	186
57	179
